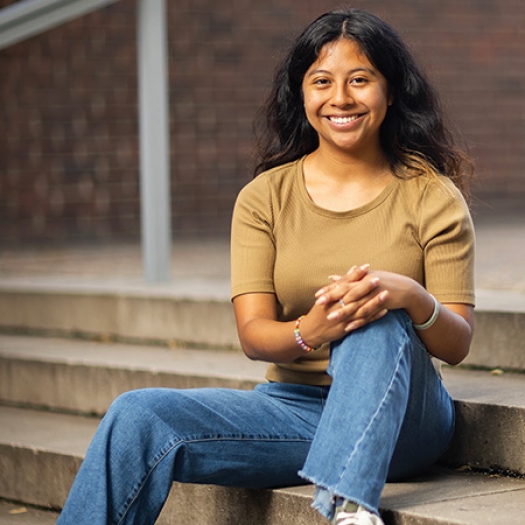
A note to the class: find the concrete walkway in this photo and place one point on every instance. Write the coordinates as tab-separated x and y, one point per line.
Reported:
499	266
500	258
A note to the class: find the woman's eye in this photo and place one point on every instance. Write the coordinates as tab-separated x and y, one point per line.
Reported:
321	81
359	80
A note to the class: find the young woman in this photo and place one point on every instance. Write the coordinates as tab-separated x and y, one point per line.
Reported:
352	267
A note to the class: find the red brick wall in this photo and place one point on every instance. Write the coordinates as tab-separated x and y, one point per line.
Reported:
68	130
68	107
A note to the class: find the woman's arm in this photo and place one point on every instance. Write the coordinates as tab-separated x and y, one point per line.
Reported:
366	297
263	337
450	336
448	339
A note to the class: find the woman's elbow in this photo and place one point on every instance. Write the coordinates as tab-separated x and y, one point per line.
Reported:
457	357
250	353
460	350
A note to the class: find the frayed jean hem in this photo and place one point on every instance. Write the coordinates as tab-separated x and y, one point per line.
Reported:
324	499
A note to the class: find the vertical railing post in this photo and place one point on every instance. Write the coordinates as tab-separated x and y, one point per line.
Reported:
154	139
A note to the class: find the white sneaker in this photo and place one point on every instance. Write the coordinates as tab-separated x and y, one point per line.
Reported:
351	514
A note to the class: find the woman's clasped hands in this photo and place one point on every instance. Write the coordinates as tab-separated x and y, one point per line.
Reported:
348	302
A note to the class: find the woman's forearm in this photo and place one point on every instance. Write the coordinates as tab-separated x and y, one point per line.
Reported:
271	341
450	336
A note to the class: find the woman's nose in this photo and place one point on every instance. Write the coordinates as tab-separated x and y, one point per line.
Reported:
342	95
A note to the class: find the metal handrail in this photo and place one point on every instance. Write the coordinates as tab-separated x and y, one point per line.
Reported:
27	18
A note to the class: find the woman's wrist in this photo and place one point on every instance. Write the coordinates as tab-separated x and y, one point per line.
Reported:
299	336
424	309
432	319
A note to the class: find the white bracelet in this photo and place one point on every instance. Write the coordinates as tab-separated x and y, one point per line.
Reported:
433	317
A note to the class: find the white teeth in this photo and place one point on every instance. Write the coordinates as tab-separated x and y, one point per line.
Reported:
344	120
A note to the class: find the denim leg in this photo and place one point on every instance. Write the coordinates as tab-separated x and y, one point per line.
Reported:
387	414
150	438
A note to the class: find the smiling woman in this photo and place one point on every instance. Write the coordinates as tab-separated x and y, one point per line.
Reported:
352	265
346	99
345	247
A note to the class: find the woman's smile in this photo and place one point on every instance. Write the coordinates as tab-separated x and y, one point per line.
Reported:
342	121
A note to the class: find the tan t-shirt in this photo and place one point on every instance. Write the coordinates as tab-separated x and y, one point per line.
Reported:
283	243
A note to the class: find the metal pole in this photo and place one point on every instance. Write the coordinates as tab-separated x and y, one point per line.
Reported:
154	139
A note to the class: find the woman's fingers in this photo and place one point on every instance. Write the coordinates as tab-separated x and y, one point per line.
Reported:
358	272
371	307
349	292
353	300
364	307
354	274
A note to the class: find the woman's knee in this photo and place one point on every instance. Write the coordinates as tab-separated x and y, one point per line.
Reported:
377	344
131	411
393	320
390	331
129	403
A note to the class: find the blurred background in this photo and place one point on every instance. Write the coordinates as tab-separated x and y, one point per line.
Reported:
69	146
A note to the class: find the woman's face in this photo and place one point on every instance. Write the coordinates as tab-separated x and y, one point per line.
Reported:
345	99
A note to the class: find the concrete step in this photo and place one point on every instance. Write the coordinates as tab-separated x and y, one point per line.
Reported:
198	312
84	377
490	420
191	311
51	447
500	329
441	497
16	514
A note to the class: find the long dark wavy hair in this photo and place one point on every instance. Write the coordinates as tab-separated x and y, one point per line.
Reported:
413	135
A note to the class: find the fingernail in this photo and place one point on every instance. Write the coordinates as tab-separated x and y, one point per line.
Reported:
365	267
332	316
321	300
319	292
351	269
351	326
334	277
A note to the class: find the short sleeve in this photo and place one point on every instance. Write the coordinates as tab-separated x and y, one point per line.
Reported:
448	243
252	240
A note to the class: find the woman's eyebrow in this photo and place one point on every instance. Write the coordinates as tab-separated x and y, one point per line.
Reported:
352	71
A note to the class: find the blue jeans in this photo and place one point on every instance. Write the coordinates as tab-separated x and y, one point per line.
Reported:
386	416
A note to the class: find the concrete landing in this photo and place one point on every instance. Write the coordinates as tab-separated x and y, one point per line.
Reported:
500	252
16	514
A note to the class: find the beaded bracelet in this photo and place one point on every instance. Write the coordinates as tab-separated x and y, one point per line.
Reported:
433	317
298	337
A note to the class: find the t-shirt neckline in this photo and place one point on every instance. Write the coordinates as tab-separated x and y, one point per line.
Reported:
355	212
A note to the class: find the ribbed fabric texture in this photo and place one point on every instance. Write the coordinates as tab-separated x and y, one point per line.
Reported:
283	243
